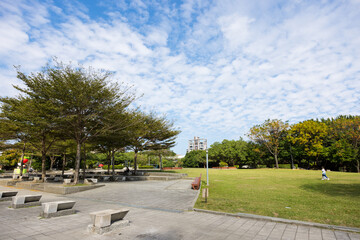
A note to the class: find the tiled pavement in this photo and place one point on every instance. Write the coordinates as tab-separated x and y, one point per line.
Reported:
157	211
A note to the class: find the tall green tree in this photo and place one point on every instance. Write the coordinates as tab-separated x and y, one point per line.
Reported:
194	159
310	134
83	100
229	151
30	120
151	132
346	133
270	134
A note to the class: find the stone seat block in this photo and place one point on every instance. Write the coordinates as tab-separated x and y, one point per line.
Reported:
91	180
58	179
67	181
58	208
26	201
106	217
8	194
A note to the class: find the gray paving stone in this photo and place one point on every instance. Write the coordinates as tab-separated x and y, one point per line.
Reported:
328	234
341	235
157	215
354	236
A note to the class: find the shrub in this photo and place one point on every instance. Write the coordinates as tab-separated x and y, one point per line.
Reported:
237	166
287	166
261	166
223	164
167	163
120	166
146	167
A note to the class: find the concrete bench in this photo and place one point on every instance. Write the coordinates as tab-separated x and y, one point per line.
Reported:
7	195
107	220
25	201
36	179
58	179
67	181
106	179
90	180
196	183
56	209
51	178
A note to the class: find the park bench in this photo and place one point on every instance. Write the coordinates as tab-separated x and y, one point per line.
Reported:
67	181
107	220
7	195
196	183
56	209
90	180
58	179
25	201
105	179
51	178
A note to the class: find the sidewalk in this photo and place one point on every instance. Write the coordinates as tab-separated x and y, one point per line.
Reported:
157	211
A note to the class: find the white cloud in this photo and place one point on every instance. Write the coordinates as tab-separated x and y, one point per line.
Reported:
216	69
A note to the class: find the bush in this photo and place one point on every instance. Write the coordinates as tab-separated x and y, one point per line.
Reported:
261	166
287	166
167	163
120	166
146	167
237	166
223	164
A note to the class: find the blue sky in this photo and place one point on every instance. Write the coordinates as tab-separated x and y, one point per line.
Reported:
216	68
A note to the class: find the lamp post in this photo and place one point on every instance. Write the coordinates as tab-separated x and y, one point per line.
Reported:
207	167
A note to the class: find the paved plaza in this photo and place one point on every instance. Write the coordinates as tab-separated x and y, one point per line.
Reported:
158	210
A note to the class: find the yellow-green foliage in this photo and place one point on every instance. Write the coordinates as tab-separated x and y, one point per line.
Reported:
10	157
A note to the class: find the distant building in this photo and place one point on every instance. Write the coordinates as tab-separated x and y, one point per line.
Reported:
197	144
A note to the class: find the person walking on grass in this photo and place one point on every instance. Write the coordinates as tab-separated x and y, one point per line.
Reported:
324	177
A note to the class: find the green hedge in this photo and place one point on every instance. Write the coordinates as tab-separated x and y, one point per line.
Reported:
120	166
261	166
223	164
287	166
146	167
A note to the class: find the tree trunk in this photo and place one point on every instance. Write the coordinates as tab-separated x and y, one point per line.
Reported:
22	159
30	162
113	163
108	156
135	161
52	160
43	167
276	160
161	166
77	162
43	160
63	165
292	158
84	162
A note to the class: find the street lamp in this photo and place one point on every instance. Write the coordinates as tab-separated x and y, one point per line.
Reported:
207	168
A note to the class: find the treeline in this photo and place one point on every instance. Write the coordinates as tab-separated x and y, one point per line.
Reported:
67	108
332	143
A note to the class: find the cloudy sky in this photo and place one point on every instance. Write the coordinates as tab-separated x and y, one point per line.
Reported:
216	68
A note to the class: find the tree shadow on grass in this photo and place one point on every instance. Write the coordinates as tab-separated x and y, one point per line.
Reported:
334	189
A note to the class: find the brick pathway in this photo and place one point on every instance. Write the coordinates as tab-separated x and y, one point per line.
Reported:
156	212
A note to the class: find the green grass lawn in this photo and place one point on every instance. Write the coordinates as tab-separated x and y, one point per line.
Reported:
291	194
